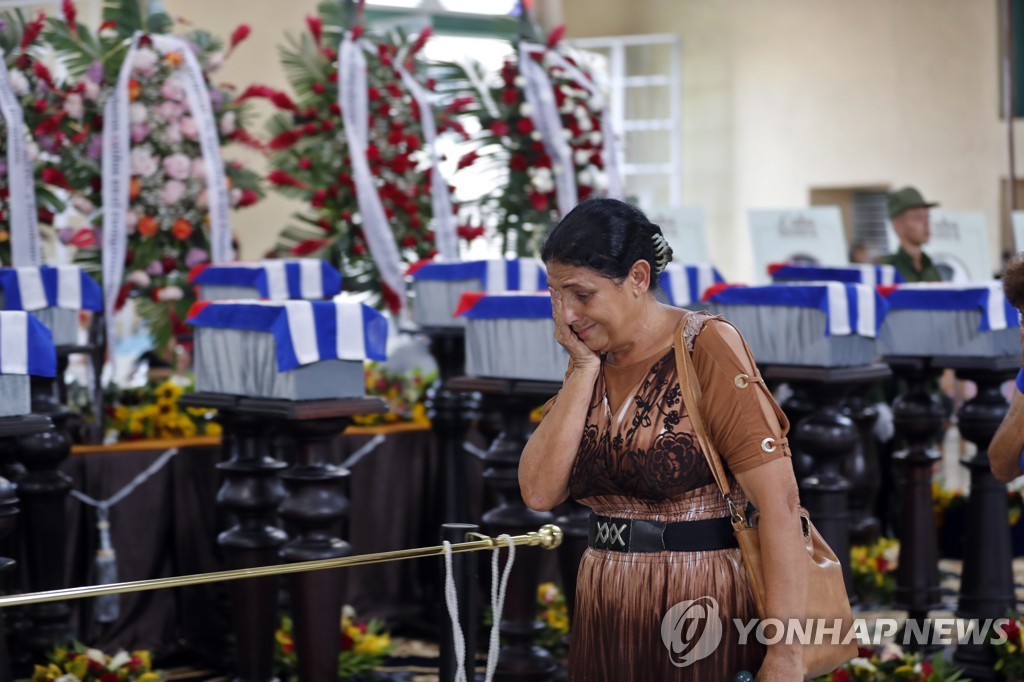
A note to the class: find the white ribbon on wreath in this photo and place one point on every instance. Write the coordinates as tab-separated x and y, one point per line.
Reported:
440	199
24	228
117	170
354	102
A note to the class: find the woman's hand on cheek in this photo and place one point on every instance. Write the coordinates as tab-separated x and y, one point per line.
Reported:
581	355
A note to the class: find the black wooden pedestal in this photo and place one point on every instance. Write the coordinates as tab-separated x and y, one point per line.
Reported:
10	429
315	505
828	437
986	582
918	418
251	492
521	660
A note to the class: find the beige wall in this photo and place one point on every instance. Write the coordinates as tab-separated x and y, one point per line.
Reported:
782	96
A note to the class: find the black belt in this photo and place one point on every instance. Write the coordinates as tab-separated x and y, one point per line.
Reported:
639	535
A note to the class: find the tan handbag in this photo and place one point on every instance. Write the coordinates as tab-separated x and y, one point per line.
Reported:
826	590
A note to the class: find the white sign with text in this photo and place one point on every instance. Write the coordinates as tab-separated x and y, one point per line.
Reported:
798	235
958	245
685	228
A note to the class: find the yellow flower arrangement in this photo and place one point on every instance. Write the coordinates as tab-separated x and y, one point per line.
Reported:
154	412
404	393
92	665
364	647
873	568
553	612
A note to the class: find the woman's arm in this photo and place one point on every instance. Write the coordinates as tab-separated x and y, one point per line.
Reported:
549	454
1004	453
772	488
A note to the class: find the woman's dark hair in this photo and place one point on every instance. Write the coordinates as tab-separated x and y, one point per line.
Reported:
607	236
1013	282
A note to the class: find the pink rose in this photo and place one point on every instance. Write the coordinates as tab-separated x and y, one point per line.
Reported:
168	111
203	200
140	132
177	166
145	61
199	169
172	133
74	106
188	127
172	90
172	192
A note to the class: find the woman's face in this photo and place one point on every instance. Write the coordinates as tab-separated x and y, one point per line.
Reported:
594	306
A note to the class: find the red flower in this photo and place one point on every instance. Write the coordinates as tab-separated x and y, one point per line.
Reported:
421	40
307	247
283	179
45	216
70	15
248	198
391	299
524	126
305	163
518	162
282	101
327	125
883	564
319	198
53	176
285	139
84	238
372	152
499	128
239	34
393	90
1012	631
509	96
467	160
42	73
372	93
538	201
926	669
555	36
310	129
316	27
319	88
32	30
122	296
358	249
841	675
400	164
50	125
409	242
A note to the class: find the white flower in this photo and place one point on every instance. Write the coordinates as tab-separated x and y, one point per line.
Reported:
235	195
536	136
566	133
227	123
31	150
863	664
586	124
585	178
82	205
892	555
74	106
199	169
96	655
525	110
566	107
145	61
171	293
595	138
348	612
138	113
542	180
142	162
891	652
121	658
18	82
67	678
582	156
92	89
214	61
600	179
108	32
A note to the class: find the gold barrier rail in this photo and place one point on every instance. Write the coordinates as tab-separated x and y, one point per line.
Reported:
548	537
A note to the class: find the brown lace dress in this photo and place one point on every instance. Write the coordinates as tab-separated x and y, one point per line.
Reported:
638	458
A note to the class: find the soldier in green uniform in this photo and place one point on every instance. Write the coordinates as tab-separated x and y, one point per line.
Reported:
908	212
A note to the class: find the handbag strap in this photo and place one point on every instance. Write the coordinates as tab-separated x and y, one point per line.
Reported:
689	388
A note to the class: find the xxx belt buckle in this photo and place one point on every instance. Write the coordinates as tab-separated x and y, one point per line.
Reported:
612	534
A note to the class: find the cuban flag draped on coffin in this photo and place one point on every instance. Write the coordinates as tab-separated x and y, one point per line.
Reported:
511	336
296	350
276	280
821	324
438	286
